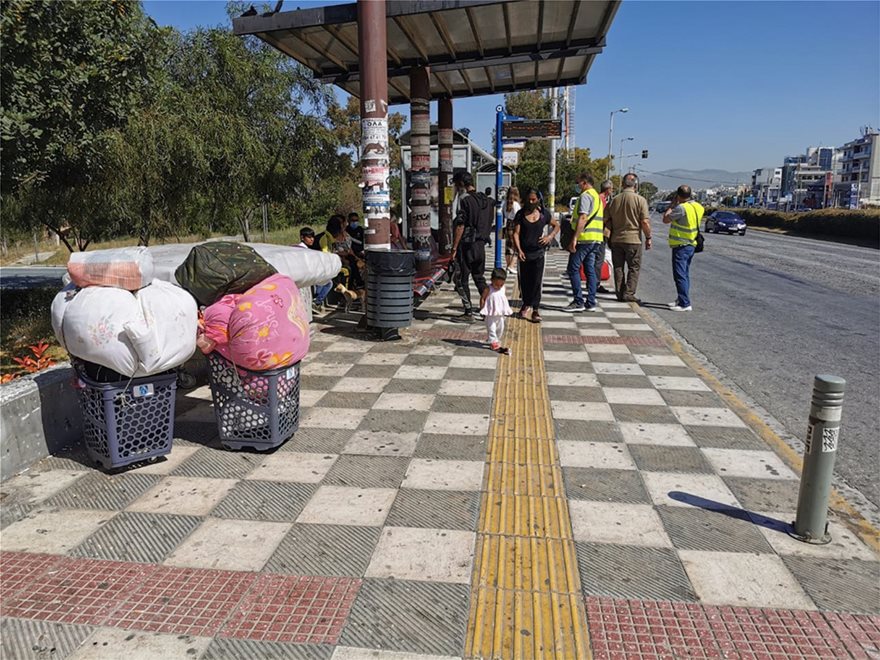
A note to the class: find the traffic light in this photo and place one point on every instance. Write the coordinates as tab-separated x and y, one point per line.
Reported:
644	153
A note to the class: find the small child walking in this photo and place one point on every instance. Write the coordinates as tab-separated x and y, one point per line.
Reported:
494	307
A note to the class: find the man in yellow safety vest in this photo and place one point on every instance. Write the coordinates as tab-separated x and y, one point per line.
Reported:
589	237
683	216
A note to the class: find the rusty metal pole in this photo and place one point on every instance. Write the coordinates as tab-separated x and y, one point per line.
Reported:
420	164
375	163
444	184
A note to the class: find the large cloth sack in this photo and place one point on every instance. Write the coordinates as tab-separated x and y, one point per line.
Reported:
135	334
90	324
305	267
129	268
264	328
213	269
167	336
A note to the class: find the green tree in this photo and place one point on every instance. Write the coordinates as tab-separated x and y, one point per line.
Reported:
70	71
527	104
173	134
345	121
569	164
647	190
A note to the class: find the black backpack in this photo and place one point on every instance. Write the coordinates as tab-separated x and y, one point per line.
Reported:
480	218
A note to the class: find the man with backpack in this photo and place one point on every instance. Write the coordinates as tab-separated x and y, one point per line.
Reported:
472	229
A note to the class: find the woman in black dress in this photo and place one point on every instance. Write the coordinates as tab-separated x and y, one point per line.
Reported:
531	243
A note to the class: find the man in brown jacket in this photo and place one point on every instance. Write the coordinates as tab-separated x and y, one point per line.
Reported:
627	219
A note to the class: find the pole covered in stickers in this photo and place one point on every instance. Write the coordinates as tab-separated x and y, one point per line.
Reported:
444	187
375	162
420	174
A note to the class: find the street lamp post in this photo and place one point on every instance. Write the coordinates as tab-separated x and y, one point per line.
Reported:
610	133
622	140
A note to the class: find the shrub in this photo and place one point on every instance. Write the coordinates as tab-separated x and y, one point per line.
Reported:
862	224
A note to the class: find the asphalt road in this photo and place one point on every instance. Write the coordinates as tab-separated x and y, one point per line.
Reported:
771	311
28	277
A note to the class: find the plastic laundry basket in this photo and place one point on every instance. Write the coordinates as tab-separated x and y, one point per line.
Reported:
127	421
255	409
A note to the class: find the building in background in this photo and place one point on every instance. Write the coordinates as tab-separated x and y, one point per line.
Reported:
766	185
859	173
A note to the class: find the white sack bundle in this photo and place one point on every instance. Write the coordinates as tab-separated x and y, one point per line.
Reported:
136	334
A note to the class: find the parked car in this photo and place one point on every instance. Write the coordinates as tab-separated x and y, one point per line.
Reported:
725	221
660	207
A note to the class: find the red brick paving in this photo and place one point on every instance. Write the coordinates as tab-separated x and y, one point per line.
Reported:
184	601
298	609
21	569
240	604
83	591
289	608
621	628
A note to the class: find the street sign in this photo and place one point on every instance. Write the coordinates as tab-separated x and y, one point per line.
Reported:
525	129
511	158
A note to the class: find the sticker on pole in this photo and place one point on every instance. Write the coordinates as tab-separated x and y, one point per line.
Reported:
808	443
829	439
143	391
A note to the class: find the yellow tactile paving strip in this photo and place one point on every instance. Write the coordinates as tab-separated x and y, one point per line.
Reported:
525	594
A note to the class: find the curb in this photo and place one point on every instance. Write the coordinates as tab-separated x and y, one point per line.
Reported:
839	504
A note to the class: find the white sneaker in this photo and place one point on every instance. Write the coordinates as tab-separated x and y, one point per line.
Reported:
679	308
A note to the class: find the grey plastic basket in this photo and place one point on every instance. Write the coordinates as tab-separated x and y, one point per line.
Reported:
127	421
255	409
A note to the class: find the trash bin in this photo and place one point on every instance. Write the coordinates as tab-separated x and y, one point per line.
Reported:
127	421
390	288
255	409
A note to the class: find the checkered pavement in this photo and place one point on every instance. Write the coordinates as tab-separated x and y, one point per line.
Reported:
358	534
672	496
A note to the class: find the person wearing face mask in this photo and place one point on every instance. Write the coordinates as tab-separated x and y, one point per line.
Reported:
531	243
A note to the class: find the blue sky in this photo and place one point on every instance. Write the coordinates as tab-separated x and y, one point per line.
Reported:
727	85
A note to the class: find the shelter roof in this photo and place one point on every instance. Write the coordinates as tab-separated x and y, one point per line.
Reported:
473	47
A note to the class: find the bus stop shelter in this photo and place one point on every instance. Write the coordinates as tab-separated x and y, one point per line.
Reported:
412	51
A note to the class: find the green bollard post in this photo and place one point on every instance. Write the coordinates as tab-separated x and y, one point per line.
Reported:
811	525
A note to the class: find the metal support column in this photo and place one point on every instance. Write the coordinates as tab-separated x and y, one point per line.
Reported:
420	165
499	181
444	184
375	163
554	113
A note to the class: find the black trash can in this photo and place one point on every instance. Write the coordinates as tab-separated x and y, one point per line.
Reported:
390	288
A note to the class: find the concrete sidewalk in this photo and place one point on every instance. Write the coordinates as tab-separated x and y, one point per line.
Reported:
588	495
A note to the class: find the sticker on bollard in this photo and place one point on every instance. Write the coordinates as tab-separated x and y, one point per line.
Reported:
823	432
